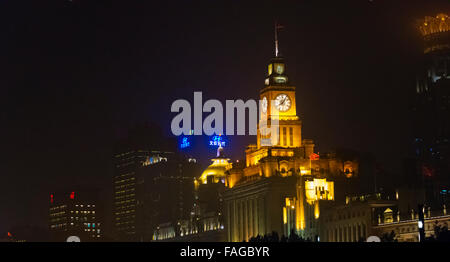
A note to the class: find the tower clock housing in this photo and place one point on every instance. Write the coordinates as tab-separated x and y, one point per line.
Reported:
282	95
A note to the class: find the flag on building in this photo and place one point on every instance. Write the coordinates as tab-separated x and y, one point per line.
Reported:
314	156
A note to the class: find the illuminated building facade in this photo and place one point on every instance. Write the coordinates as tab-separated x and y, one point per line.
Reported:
125	192
209	190
431	109
159	190
167	193
354	220
152	184
204	222
376	215
75	213
282	184
407	230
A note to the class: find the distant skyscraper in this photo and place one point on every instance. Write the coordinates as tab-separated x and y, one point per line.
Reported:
152	183
432	110
75	213
125	200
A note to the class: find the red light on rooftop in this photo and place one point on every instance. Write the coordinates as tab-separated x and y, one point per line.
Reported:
51	198
72	195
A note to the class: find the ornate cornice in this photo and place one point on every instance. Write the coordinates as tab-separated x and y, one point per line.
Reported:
434	25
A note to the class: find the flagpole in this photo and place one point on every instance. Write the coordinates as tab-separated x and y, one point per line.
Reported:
276	39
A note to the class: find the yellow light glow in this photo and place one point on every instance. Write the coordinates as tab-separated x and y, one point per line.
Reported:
284	215
304	170
288	201
432	25
217	170
195	184
319	189
300	209
316	210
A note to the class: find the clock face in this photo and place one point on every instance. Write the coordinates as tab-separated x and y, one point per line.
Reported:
283	102
279	68
264	105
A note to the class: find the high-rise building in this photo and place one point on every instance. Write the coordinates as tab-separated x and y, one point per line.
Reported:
75	213
168	192
152	184
126	200
130	154
431	111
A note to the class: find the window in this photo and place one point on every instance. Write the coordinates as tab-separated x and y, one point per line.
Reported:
291	136
284	137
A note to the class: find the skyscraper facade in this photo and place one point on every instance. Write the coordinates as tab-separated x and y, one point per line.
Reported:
432	110
152	182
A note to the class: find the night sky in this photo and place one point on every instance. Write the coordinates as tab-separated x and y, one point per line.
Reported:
75	75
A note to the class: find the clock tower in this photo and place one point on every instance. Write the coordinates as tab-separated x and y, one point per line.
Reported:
278	102
283	180
276	153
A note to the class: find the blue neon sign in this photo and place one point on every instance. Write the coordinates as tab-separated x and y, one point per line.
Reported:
185	142
217	141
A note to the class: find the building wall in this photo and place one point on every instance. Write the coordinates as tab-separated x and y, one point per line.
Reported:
346	224
125	198
408	231
256	208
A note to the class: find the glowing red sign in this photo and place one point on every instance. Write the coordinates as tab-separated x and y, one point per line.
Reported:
72	195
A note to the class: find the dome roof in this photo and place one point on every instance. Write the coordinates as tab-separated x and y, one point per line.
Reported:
218	167
214	170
